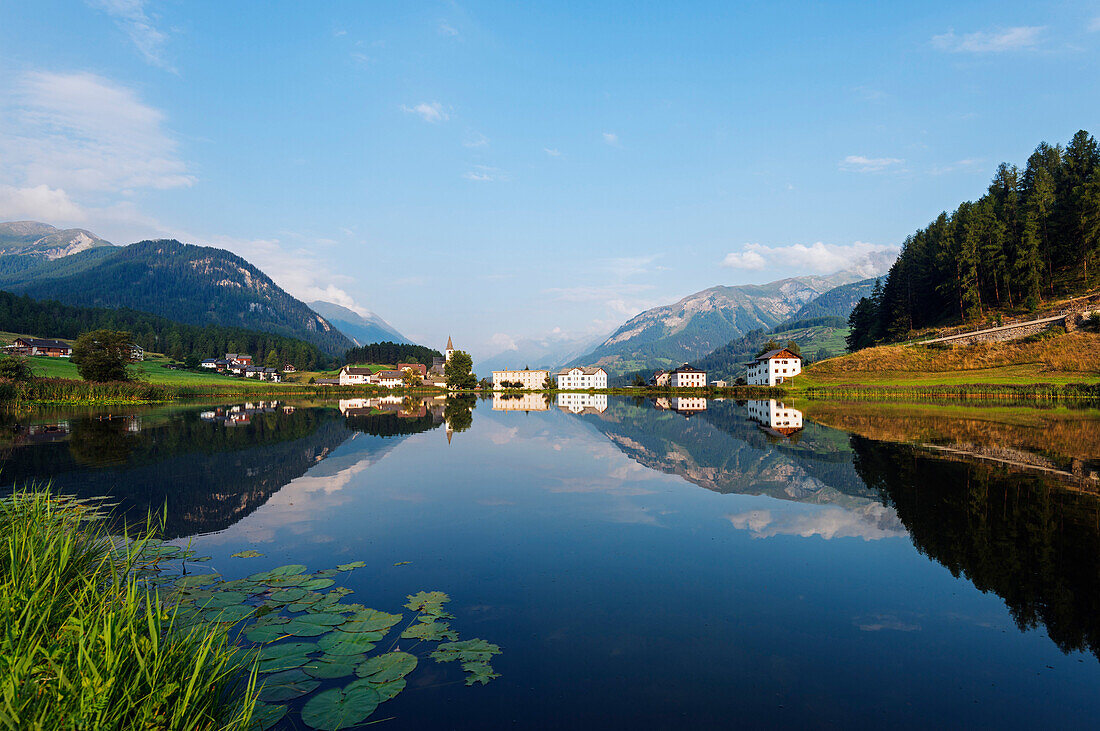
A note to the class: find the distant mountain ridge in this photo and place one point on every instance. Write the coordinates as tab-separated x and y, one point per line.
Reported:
24	244
183	282
837	302
699	323
363	330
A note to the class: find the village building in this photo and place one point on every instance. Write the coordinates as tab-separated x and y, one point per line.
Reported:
660	379
388	379
354	376
238	359
414	367
687	377
774	367
525	380
137	353
776	416
438	364
289	368
579	377
41	346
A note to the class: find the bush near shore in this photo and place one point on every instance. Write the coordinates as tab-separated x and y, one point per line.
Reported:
87	644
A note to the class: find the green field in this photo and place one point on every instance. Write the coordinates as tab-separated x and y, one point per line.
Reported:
151	370
1014	375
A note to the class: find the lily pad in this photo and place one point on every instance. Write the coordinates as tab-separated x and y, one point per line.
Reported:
326	574
466	650
388	689
279	664
426	600
350	566
370	620
229	615
265	633
402	563
479	672
288	595
248	554
288	570
333	666
267	619
299	628
287	685
314	584
285	656
383	668
322	618
194	581
431	631
225	599
349	643
340	708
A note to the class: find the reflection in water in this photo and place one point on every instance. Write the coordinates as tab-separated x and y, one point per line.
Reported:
779	418
582	403
687	406
520	401
1015	533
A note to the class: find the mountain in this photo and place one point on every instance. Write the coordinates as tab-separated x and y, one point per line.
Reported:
196	285
818	338
364	330
699	323
837	302
43	241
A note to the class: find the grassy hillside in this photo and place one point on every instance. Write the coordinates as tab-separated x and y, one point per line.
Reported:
1055	359
816	339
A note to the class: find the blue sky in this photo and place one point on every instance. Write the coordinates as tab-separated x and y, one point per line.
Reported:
499	171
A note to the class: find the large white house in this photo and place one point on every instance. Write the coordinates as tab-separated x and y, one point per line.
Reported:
354	376
581	378
521	380
687	377
774	367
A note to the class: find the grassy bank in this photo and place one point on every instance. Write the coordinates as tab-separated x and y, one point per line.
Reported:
86	644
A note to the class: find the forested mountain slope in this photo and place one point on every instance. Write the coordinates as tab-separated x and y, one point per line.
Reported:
191	284
1034	235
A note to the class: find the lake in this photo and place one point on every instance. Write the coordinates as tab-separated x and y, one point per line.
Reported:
663	563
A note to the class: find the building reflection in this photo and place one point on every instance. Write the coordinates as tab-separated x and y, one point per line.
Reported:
681	405
776	417
582	403
526	401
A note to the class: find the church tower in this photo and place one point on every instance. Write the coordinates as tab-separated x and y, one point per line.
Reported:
450	349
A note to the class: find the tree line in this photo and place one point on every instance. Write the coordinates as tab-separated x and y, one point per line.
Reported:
392	353
1034	236
48	318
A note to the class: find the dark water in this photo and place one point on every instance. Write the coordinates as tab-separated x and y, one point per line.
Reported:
645	564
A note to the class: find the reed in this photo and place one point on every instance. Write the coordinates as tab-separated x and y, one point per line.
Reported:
87	644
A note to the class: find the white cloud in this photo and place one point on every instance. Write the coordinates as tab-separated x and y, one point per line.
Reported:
39	203
630	266
864	259
476	140
871	523
620	298
994	41
445	29
485	174
131	17
611	138
428	111
744	260
83	132
552	151
968	164
503	341
861	164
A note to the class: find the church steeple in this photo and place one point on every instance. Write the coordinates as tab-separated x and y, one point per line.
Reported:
450	345
450	349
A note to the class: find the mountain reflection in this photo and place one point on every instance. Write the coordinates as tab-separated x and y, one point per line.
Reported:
209	468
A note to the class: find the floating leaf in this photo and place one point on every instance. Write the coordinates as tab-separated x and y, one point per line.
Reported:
326	574
285	656
383	668
229	615
225	599
431	631
265	716
285	582
287	596
479	672
322	618
248	554
402	563
287	685
265	633
298	628
349	643
282	571
466	650
196	580
333	666
271	619
350	566
370	620
389	689
340	708
314	584
426	600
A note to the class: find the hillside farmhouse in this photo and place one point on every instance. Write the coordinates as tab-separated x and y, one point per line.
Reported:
774	367
41	346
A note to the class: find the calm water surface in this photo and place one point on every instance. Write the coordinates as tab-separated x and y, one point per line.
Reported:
655	564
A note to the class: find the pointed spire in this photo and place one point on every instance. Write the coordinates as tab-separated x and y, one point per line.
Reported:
450	346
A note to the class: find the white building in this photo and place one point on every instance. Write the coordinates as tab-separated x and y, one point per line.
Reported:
687	377
520	380
582	378
775	415
774	367
389	379
353	376
583	403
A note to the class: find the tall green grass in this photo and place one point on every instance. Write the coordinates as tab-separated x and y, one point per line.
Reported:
85	643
